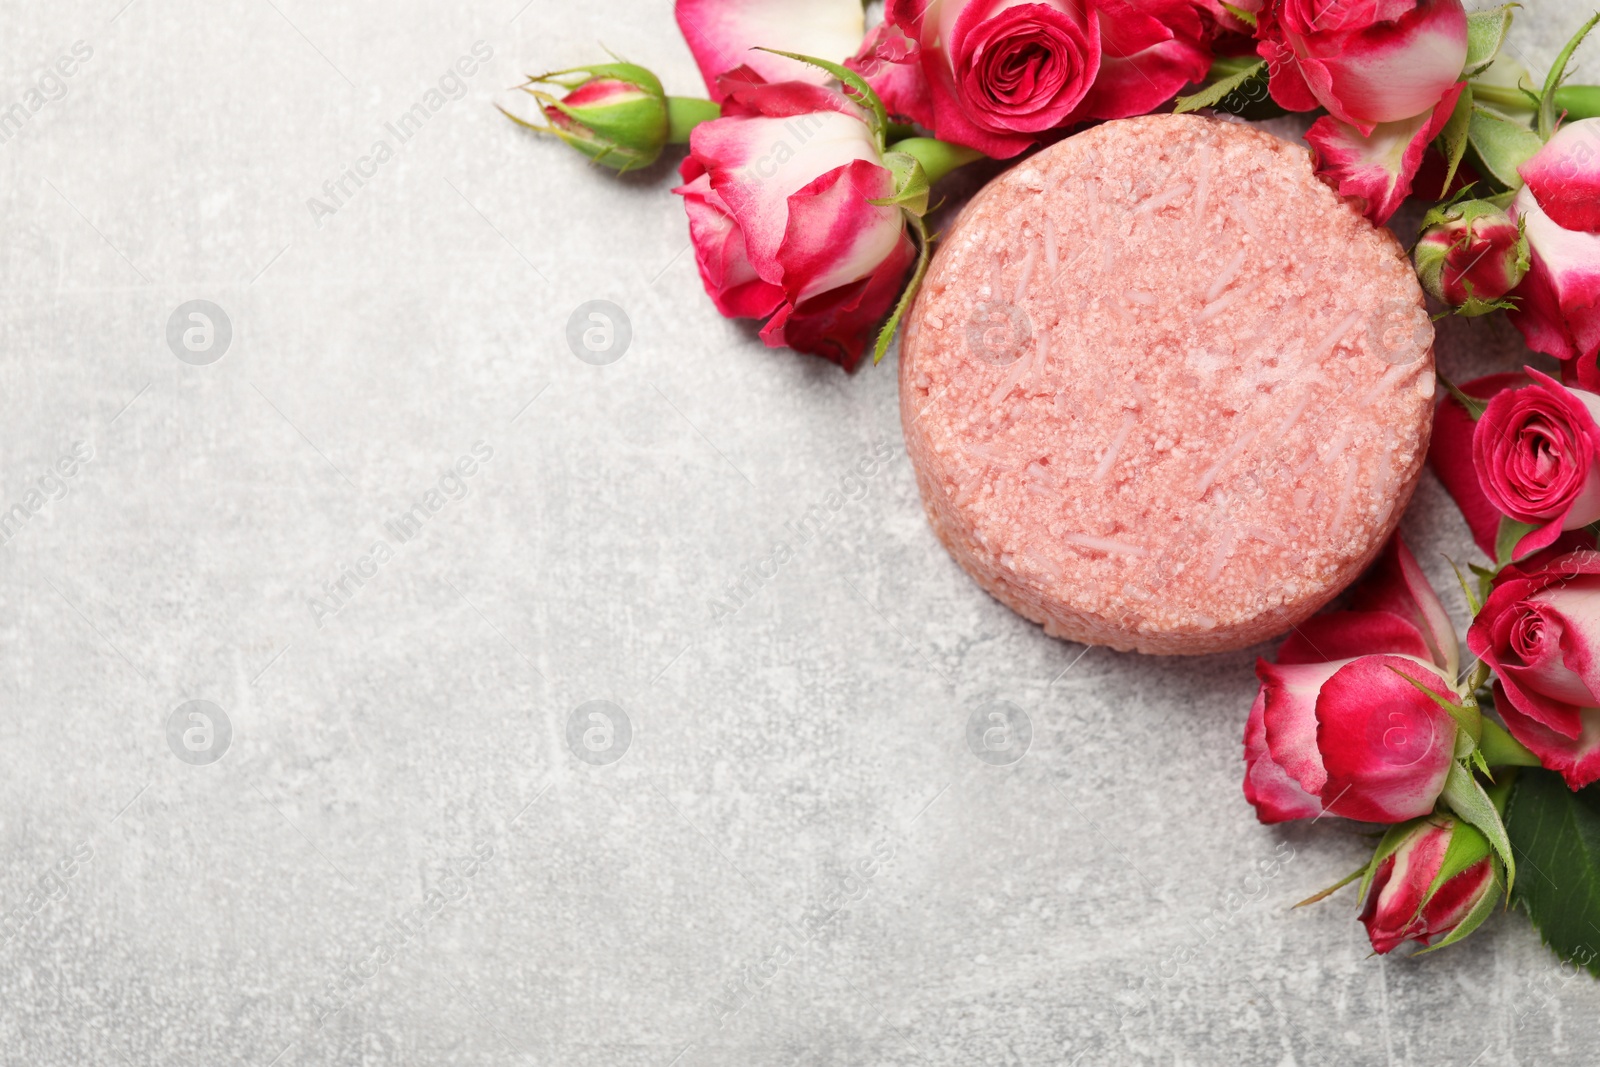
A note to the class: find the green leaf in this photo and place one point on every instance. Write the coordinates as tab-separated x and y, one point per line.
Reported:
924	251
1557	833
1470	803
1217	91
1552	81
1485	32
855	86
1501	145
1453	138
1505	540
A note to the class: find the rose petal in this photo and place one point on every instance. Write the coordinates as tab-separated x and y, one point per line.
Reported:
1377	169
834	236
1289	714
1450	453
1387	71
1397	585
1341	635
1149	51
1386	747
756	164
722	33
891	62
729	277
1577	758
1275	796
1564	176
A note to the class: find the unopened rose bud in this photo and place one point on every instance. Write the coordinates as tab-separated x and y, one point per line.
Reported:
614	113
1404	903
1470	255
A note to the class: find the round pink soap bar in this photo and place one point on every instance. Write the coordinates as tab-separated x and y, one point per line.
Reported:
1163	390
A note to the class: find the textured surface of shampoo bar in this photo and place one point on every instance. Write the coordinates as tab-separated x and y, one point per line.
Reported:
1163	390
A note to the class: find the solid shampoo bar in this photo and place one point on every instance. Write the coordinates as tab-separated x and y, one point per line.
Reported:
1163	390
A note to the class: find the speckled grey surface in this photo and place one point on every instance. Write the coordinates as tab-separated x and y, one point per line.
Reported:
400	859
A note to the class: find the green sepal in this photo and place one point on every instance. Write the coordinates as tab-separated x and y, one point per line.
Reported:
1552	81
1246	17
1475	407
924	251
1217	91
1392	839
1511	532
910	184
1453	138
1501	145
1467	846
1471	594
855	86
1480	911
1500	749
1467	716
1486	31
1323	894
631	73
1467	799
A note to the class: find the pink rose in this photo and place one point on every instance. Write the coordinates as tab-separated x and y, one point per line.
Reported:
1338	726
1367	63
778	194
1376	166
1540	632
723	35
1001	73
1404	904
1534	450
1558	310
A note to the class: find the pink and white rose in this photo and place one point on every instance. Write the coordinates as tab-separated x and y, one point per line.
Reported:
1537	453
723	35
778	193
1377	61
1339	725
1540	632
1404	905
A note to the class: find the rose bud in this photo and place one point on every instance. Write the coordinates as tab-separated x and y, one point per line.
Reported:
1540	632
1366	63
1470	255
1558	303
1534	449
1339	725
779	193
1001	75
614	113
1377	166
1405	903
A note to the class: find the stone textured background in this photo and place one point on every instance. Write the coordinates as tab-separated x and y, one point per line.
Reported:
701	900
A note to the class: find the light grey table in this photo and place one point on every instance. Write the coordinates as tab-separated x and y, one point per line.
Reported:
399	857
